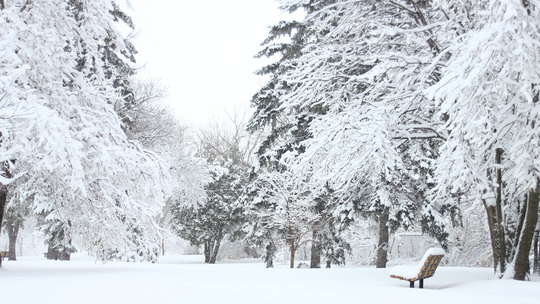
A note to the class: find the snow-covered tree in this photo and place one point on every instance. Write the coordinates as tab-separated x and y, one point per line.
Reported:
219	215
83	171
281	212
286	129
356	87
148	120
424	94
488	95
227	150
14	219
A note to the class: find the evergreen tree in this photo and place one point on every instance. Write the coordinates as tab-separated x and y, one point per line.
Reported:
352	94
227	149
287	129
220	215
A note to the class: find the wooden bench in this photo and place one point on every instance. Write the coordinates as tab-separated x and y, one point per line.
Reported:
4	254
423	270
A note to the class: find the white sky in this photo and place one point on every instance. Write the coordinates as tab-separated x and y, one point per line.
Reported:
203	50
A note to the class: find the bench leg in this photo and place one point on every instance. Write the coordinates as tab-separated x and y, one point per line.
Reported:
411	284
421	283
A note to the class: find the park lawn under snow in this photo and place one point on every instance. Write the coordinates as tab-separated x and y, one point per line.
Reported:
186	279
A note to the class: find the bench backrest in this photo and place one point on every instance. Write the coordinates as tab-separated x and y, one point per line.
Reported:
431	264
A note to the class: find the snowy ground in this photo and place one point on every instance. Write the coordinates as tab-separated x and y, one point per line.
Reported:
186	279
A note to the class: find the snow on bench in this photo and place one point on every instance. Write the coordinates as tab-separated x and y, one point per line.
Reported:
423	270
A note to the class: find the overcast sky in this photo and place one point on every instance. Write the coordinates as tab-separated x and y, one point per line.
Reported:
203	50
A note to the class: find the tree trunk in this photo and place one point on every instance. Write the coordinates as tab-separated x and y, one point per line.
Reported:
214	254
293	246
493	233
536	263
3	197
315	251
521	265
163	246
6	173
516	235
13	232
214	250
382	250
270	249
293	253
207	251
501	246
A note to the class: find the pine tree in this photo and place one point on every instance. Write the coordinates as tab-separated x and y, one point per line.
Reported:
227	150
357	82
287	129
220	215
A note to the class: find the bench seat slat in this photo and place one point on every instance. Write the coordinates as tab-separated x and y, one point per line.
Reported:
425	269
